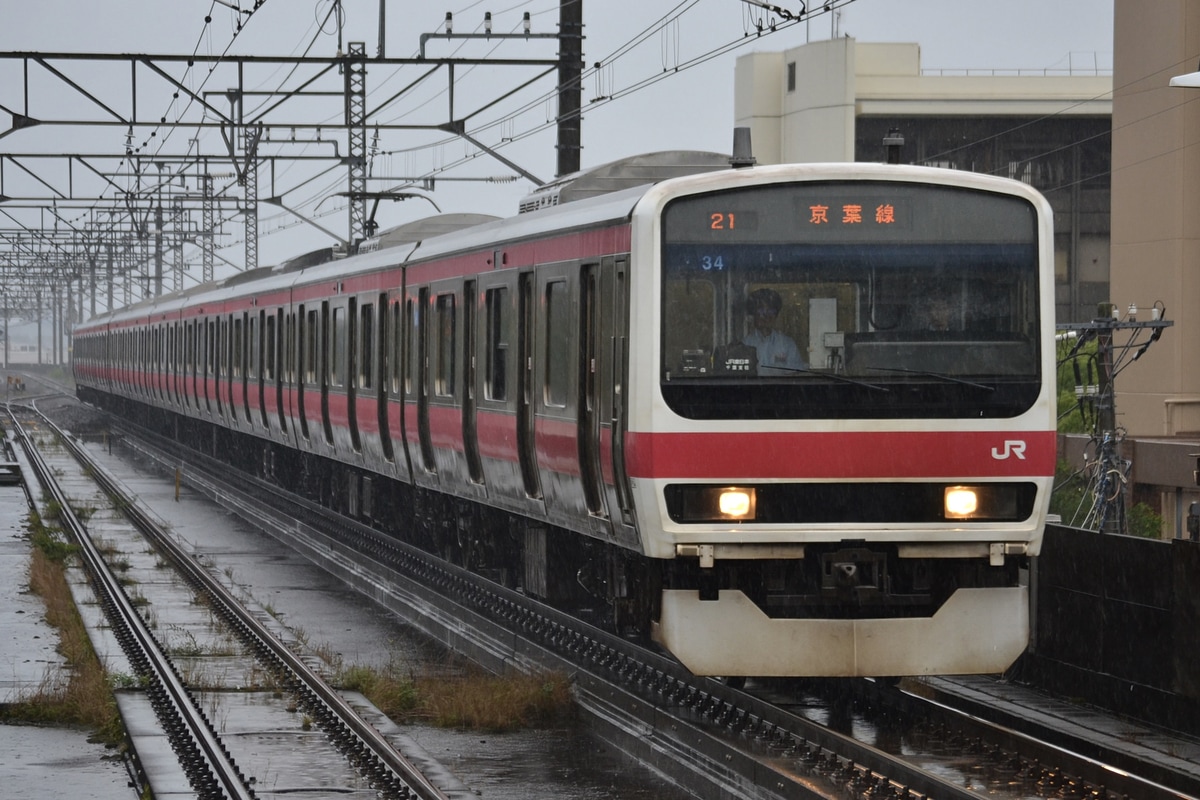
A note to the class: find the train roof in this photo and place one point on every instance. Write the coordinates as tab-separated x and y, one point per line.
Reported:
421	229
598	195
623	173
449	237
610	208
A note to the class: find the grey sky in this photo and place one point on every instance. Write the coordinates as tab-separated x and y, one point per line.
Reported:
689	110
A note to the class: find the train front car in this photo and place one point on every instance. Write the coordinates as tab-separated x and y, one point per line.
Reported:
841	426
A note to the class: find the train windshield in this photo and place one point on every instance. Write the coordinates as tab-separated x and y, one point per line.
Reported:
850	299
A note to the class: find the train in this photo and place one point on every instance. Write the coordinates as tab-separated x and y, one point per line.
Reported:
780	420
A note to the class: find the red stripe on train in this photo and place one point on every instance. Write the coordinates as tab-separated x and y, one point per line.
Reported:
896	454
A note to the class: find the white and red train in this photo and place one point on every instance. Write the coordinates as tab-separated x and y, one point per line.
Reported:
595	402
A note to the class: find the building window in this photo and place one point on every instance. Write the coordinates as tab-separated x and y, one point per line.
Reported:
791	76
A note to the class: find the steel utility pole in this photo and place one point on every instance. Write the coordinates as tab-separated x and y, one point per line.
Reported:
1108	473
570	93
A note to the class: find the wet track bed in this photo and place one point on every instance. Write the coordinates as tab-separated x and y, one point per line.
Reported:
285	752
974	768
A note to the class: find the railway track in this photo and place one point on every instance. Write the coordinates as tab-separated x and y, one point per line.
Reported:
703	735
206	758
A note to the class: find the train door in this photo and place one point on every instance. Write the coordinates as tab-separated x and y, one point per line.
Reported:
306	322
244	359
587	429
226	372
210	363
324	365
422	388
221	365
173	353
191	385
186	362
470	430
282	349
346	339
375	340
526	410
264	362
614	287
405	315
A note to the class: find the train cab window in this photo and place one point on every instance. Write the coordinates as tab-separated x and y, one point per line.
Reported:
495	386
443	377
875	299
366	347
558	341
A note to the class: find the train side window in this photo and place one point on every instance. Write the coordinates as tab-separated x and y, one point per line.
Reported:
496	366
443	379
254	359
210	349
287	353
311	329
222	348
558	337
416	341
269	348
366	349
337	342
238	354
397	346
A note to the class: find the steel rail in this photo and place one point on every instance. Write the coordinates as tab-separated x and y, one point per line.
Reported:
143	650
262	640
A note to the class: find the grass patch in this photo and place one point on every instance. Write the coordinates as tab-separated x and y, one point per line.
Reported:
475	701
85	698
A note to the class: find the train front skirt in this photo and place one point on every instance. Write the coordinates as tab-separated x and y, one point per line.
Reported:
977	631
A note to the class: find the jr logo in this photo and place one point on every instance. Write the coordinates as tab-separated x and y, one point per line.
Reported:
1012	447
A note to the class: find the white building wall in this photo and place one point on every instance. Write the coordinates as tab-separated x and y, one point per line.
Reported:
758	81
840	79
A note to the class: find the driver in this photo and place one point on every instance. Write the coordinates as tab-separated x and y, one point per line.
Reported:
777	352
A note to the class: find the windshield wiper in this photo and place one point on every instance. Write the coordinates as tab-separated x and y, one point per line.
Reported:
938	375
834	375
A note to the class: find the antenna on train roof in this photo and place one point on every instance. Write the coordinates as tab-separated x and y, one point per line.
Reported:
743	153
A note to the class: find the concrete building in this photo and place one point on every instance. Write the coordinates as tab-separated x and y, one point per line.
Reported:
1156	208
836	100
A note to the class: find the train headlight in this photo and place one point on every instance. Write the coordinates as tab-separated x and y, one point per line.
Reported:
736	503
988	501
961	502
695	503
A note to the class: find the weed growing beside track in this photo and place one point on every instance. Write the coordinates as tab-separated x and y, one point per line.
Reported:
474	700
83	697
